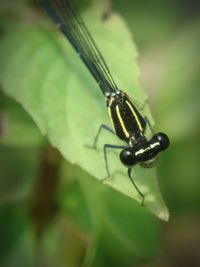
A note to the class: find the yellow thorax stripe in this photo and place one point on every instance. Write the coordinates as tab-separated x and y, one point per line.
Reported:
110	115
136	117
121	122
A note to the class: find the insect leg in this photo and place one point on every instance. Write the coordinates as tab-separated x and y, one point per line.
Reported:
105	127
140	106
108	146
134	184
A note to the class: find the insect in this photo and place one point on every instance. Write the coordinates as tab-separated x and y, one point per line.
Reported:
127	122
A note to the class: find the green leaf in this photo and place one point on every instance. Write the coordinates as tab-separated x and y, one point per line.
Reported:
16	126
40	70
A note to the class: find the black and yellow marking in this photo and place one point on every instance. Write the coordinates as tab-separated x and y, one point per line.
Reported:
125	118
127	122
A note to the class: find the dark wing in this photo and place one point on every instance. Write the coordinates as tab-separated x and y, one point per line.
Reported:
69	21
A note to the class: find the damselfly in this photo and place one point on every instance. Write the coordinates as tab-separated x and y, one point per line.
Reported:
127	122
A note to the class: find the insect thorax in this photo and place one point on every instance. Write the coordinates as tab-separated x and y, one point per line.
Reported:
126	120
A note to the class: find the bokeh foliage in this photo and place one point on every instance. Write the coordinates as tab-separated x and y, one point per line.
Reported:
54	214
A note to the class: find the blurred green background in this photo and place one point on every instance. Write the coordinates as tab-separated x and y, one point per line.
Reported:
54	214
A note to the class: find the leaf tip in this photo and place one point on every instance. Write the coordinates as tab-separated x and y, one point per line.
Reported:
164	215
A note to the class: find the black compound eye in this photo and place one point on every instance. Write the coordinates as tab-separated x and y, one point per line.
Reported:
127	157
163	140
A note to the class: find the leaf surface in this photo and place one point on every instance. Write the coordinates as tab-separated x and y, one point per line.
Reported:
40	70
